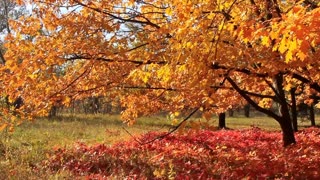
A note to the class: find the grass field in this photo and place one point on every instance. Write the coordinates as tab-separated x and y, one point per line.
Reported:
30	143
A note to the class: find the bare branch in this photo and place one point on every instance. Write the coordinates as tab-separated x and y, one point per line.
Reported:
147	22
149	88
78	57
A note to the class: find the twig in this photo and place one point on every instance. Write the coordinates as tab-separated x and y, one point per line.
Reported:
135	139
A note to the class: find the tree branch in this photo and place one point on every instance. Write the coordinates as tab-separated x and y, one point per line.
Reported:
259	95
313	85
70	84
78	57
147	22
277	97
170	131
242	70
277	8
148	88
250	101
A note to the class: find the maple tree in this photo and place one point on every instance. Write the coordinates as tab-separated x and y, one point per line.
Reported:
165	55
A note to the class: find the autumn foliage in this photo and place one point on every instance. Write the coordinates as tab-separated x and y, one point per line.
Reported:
226	154
165	55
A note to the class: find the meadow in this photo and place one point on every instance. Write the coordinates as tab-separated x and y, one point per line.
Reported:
22	152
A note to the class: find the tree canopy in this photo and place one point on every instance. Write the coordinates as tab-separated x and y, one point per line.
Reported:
165	55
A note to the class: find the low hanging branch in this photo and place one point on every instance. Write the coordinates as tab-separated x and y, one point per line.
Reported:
70	84
175	128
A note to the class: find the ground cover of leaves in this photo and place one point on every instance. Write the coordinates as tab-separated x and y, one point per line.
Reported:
224	154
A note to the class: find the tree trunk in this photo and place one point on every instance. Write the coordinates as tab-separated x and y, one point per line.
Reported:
286	126
247	110
312	119
53	112
231	113
294	110
95	105
287	132
284	119
18	103
222	120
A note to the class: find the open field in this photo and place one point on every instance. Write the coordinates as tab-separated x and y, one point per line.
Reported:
31	142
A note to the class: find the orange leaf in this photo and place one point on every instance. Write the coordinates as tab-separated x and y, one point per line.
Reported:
3	126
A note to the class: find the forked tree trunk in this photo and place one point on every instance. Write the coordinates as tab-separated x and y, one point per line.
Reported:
222	120
283	118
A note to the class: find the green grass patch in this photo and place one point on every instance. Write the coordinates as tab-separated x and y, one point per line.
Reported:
31	142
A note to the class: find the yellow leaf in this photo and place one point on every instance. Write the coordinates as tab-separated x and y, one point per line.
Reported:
164	73
293	45
287	87
265	41
182	68
282	47
274	35
66	100
159	173
146	77
288	56
169	11
189	45
174	122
